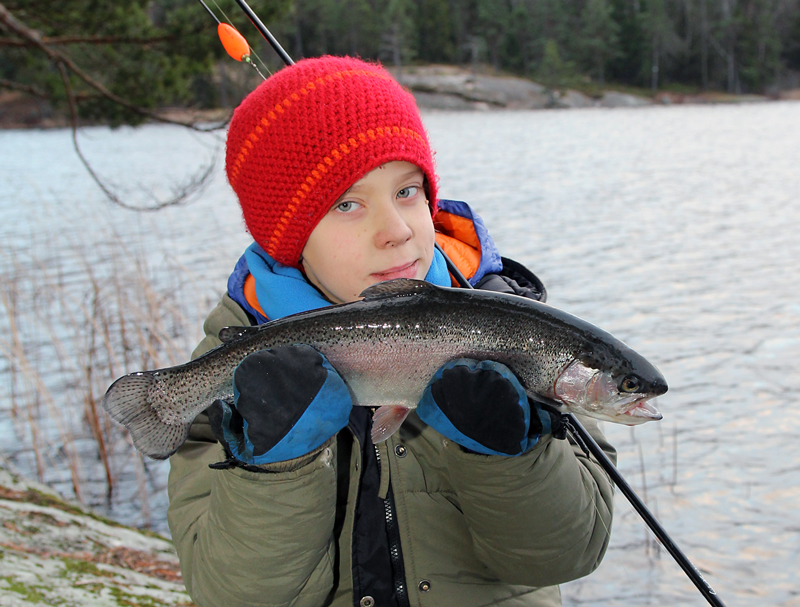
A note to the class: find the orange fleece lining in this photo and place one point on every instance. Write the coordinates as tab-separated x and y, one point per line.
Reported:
250	294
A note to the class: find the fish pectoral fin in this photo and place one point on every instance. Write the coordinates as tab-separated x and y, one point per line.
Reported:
386	420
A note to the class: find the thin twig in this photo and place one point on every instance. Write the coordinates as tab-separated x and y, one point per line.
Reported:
59	57
58	40
25	88
193	186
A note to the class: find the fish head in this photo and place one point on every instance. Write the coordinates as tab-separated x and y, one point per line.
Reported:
618	393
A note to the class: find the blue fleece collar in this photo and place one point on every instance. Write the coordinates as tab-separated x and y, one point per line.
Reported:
282	290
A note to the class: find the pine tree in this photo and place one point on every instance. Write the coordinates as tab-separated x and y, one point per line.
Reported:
493	18
599	35
436	43
398	38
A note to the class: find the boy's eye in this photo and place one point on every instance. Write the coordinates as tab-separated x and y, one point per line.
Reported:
347	206
408	192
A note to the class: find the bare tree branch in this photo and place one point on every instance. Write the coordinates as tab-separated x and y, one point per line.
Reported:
25	88
195	184
59	40
65	64
61	58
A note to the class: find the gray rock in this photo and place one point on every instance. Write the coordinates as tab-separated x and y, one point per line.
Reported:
57	553
446	101
614	99
572	99
477	90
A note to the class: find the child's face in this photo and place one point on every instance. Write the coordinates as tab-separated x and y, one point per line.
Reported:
380	229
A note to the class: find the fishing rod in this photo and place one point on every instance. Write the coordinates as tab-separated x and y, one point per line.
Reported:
588	445
265	32
575	427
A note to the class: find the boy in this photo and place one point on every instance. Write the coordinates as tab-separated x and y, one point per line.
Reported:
473	501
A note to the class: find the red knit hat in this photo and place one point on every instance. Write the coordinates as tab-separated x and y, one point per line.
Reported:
308	133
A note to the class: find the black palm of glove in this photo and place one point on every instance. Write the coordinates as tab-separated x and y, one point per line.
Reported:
482	406
287	402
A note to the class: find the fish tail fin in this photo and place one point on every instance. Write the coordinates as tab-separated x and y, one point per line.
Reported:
387	420
132	401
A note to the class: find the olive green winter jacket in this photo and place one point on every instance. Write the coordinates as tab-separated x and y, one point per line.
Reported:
475	530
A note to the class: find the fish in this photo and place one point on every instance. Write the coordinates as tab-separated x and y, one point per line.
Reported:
388	345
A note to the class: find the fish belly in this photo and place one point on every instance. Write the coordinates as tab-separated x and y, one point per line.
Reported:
389	373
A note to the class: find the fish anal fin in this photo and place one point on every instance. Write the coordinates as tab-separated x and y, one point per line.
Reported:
399	287
229	334
386	421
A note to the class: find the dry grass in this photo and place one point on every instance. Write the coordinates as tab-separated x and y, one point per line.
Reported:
70	326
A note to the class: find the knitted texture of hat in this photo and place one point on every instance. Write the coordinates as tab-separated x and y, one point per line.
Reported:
308	133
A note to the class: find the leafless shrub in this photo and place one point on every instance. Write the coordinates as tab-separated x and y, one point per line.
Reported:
69	326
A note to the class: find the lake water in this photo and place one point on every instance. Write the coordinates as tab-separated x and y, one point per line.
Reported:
675	228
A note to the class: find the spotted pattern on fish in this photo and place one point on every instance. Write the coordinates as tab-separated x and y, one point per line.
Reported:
386	347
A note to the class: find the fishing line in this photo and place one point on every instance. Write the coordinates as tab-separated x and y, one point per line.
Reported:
213	16
252	51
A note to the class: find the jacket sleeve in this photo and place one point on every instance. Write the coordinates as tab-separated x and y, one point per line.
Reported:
540	519
251	538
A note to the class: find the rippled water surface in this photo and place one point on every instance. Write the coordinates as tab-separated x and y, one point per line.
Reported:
675	228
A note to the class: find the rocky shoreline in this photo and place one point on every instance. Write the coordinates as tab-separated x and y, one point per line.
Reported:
53	552
447	87
436	87
453	88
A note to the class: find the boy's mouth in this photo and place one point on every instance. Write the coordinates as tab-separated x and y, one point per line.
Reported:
408	270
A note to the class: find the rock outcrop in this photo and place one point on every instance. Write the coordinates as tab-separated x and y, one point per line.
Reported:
448	87
453	88
53	552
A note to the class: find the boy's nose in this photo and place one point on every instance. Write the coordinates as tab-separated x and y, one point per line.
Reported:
392	229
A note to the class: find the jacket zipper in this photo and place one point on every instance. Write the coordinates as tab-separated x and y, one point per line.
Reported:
393	533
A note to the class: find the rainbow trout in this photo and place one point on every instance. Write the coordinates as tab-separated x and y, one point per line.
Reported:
387	346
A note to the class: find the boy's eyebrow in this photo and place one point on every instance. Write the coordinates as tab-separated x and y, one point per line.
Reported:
408	174
411	173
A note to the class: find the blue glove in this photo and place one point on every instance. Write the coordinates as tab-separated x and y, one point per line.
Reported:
482	406
287	402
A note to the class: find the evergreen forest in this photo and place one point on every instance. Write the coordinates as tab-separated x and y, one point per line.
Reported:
730	45
108	60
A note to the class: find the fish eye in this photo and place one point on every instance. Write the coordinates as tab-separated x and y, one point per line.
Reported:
630	384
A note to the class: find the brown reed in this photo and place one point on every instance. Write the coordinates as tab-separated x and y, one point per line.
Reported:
69	327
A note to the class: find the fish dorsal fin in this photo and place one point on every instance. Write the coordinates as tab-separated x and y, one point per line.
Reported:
399	287
229	334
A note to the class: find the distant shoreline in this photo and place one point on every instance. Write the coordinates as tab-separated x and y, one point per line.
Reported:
435	87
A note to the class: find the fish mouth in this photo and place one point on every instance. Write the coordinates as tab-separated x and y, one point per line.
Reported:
642	410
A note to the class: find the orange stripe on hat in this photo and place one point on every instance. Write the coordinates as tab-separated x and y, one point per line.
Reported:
331	159
235	169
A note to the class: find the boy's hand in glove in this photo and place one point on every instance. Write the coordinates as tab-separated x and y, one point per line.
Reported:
287	402
482	406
